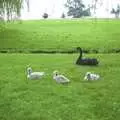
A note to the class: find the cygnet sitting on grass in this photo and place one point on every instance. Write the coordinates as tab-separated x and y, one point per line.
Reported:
91	76
60	78
34	75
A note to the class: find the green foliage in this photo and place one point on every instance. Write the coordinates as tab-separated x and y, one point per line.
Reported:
76	8
23	99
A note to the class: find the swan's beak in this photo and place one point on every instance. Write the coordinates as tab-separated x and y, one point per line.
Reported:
55	72
88	73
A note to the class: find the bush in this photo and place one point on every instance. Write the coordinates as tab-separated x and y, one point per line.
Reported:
45	16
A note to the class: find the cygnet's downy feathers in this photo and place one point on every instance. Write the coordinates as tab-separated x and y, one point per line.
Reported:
91	76
34	75
60	78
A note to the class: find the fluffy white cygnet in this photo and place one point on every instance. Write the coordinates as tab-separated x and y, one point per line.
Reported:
60	78
34	75
91	76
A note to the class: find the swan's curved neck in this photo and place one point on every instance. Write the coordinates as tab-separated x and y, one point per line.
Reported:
80	50
29	71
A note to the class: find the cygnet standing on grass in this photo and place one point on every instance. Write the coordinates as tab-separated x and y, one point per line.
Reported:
91	76
34	75
60	78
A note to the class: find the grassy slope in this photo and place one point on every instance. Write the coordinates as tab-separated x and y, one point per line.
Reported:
46	100
102	35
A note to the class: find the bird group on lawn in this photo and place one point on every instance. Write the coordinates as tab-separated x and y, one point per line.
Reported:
39	75
59	78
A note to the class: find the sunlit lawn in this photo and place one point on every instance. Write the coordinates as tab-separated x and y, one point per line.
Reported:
62	35
22	99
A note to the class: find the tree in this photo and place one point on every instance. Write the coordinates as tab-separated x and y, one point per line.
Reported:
11	7
116	11
96	4
76	8
87	12
45	16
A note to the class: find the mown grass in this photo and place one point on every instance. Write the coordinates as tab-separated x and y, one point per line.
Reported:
61	35
45	100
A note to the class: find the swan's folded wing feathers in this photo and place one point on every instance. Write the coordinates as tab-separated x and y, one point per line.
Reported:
38	73
85	78
64	78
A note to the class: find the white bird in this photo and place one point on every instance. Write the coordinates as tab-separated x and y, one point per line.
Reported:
60	78
91	76
34	75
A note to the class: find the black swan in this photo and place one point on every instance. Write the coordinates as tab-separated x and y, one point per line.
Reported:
85	61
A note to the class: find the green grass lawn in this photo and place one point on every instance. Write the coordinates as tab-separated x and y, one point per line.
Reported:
22	99
61	35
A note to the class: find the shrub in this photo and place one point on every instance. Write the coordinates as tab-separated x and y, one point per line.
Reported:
45	16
